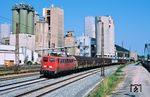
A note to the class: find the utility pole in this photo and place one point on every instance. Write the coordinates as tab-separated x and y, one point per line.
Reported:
17	48
84	45
43	35
102	51
123	53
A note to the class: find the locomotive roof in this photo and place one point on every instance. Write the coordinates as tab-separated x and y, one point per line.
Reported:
58	56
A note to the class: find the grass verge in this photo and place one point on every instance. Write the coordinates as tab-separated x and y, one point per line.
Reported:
108	84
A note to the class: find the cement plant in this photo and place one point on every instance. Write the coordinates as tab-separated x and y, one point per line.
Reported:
39	57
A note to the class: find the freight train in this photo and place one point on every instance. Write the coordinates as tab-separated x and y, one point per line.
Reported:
146	64
54	64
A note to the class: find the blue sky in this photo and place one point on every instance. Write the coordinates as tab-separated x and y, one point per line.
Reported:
132	17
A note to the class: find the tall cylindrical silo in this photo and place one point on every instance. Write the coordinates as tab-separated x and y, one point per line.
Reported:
23	21
30	27
15	19
98	35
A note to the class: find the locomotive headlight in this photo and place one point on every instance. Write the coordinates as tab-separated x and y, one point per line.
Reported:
44	66
50	66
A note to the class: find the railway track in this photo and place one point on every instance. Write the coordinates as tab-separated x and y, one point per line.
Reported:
40	86
20	84
64	83
18	80
57	85
18	76
4	85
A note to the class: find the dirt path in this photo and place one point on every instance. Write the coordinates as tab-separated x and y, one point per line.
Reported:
135	84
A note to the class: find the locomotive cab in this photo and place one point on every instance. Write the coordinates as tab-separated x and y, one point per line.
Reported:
49	65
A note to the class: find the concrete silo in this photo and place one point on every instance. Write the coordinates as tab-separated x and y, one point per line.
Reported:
105	36
98	35
30	28
15	18
24	15
23	20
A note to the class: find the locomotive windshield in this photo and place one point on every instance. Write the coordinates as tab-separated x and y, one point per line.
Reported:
45	59
52	60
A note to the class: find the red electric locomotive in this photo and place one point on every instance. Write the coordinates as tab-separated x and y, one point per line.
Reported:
52	65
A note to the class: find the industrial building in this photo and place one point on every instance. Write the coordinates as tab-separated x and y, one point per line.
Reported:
54	16
36	18
133	55
90	26
70	42
87	46
25	40
7	52
5	31
105	45
23	20
122	53
42	36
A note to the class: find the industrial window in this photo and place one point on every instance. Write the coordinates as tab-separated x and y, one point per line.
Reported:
11	60
52	60
45	59
48	12
48	21
49	44
49	28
